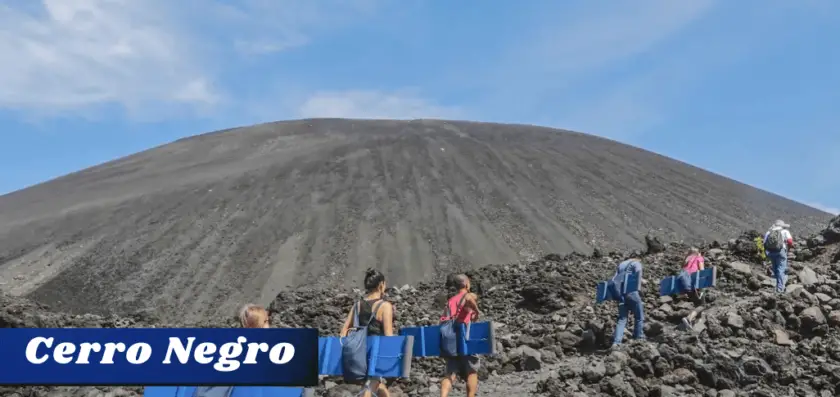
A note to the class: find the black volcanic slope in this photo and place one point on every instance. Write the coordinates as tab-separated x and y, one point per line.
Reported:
206	223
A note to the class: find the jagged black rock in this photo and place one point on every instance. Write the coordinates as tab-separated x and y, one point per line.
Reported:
553	338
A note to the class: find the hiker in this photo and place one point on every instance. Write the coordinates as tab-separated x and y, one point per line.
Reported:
463	308
374	308
631	301
253	316
694	262
777	242
250	316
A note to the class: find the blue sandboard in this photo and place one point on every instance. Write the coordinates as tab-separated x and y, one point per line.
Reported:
388	356
630	284
706	278
477	339
238	391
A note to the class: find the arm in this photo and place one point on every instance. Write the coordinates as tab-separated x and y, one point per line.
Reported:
702	264
388	318
617	269
788	239
472	303
347	323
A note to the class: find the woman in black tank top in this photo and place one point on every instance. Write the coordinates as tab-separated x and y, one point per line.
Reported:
382	323
375	327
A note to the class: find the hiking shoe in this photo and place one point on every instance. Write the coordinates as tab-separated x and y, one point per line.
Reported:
686	323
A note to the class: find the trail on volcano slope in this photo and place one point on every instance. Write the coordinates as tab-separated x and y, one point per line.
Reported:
552	337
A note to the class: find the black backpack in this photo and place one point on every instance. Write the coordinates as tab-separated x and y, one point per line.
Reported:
354	360
774	241
449	331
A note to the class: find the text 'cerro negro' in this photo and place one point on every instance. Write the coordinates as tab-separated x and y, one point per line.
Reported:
225	358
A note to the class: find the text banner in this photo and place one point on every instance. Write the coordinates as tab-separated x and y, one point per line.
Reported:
159	356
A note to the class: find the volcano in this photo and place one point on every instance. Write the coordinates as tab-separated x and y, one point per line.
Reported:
208	222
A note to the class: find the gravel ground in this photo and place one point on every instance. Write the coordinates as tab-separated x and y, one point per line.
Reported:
553	340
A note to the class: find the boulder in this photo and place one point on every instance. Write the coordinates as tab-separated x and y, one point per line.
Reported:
807	276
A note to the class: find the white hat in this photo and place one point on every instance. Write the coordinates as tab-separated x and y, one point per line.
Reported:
781	223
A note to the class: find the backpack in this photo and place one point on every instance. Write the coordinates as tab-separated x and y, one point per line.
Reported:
354	360
449	331
774	242
616	284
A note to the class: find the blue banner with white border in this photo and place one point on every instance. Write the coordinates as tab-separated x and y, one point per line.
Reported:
159	356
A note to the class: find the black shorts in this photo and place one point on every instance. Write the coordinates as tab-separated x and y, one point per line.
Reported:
462	365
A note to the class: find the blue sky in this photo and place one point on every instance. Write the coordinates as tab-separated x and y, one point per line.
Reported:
725	85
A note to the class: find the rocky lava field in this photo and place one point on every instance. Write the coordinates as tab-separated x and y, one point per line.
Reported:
554	340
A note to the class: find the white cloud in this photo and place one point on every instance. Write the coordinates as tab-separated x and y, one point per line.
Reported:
599	36
568	44
373	105
569	57
72	54
611	88
268	26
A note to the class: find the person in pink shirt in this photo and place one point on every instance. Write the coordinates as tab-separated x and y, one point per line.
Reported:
694	262
463	307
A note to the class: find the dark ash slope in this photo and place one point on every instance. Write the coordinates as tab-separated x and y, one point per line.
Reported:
208	222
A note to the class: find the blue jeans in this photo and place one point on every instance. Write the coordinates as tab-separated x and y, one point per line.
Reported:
632	302
685	281
779	260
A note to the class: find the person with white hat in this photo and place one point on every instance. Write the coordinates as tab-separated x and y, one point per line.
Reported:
777	242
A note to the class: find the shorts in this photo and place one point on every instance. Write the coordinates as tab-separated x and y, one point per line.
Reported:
368	380
462	365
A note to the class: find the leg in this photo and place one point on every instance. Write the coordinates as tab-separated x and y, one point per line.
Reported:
779	268
774	265
782	282
472	363
692	315
472	384
446	385
452	367
688	320
638	316
621	323
378	386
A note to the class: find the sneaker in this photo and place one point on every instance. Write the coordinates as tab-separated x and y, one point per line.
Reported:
686	323
615	346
